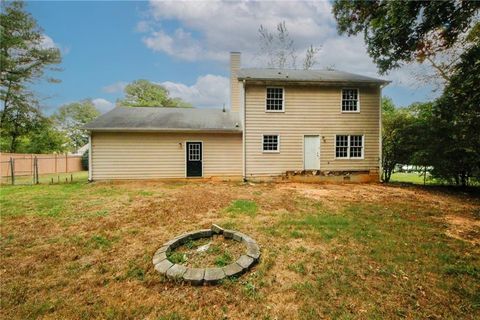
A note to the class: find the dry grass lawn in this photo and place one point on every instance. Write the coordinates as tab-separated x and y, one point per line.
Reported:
83	251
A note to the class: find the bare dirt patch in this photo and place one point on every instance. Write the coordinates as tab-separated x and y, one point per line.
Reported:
463	228
335	195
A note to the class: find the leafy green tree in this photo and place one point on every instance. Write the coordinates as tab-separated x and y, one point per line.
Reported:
19	122
27	130
45	139
456	124
143	93
397	140
405	31
23	58
71	119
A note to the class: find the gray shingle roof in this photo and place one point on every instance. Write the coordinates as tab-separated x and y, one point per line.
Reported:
166	119
296	75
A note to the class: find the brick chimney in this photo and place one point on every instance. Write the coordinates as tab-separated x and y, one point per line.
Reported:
234	84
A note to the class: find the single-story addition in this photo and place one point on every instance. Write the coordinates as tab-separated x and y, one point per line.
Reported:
281	123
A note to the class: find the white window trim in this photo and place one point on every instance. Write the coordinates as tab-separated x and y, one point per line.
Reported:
283	99
358	100
278	144
348	146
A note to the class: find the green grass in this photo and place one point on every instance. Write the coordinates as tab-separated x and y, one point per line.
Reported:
100	242
298	267
412	177
55	178
246	207
223	259
177	257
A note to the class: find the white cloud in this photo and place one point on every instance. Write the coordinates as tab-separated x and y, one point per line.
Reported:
208	91
103	105
47	42
209	30
115	87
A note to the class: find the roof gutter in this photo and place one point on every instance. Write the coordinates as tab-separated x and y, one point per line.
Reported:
313	82
166	130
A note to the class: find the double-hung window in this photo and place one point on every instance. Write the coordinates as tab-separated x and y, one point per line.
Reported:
349	146
274	101
350	101
271	143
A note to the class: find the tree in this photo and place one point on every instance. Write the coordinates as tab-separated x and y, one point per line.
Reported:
279	48
71	119
397	141
23	57
45	139
23	60
405	31
143	93
19	122
456	123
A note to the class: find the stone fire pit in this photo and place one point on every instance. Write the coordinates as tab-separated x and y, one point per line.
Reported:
208	275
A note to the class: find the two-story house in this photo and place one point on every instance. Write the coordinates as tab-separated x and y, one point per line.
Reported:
300	124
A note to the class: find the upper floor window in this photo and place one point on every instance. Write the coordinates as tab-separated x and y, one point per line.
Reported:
350	100
274	101
271	143
349	146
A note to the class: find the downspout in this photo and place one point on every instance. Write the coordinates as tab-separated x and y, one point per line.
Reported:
380	147
244	132
90	178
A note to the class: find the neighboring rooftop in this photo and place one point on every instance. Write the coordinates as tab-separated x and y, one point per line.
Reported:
166	119
297	75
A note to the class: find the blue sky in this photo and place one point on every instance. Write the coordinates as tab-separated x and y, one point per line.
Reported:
185	46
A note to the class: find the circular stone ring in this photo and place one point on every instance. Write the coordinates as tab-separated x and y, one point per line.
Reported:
199	276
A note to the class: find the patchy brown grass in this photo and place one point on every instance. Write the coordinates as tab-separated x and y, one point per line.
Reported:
83	251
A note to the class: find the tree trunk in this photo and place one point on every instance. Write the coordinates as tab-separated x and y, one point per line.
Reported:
424	175
387	173
464	179
13	143
14	134
5	103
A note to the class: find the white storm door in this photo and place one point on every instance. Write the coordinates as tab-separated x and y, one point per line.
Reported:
311	152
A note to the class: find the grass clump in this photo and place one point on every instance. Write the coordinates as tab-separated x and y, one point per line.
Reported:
247	207
250	290
223	259
100	242
298	268
177	257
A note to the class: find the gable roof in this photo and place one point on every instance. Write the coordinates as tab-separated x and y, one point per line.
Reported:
166	120
297	75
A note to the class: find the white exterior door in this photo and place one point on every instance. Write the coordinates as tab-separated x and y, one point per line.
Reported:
311	152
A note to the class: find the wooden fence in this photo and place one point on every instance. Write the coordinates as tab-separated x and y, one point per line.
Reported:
24	164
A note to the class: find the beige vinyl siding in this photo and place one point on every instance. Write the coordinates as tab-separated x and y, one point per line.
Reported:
309	110
160	155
